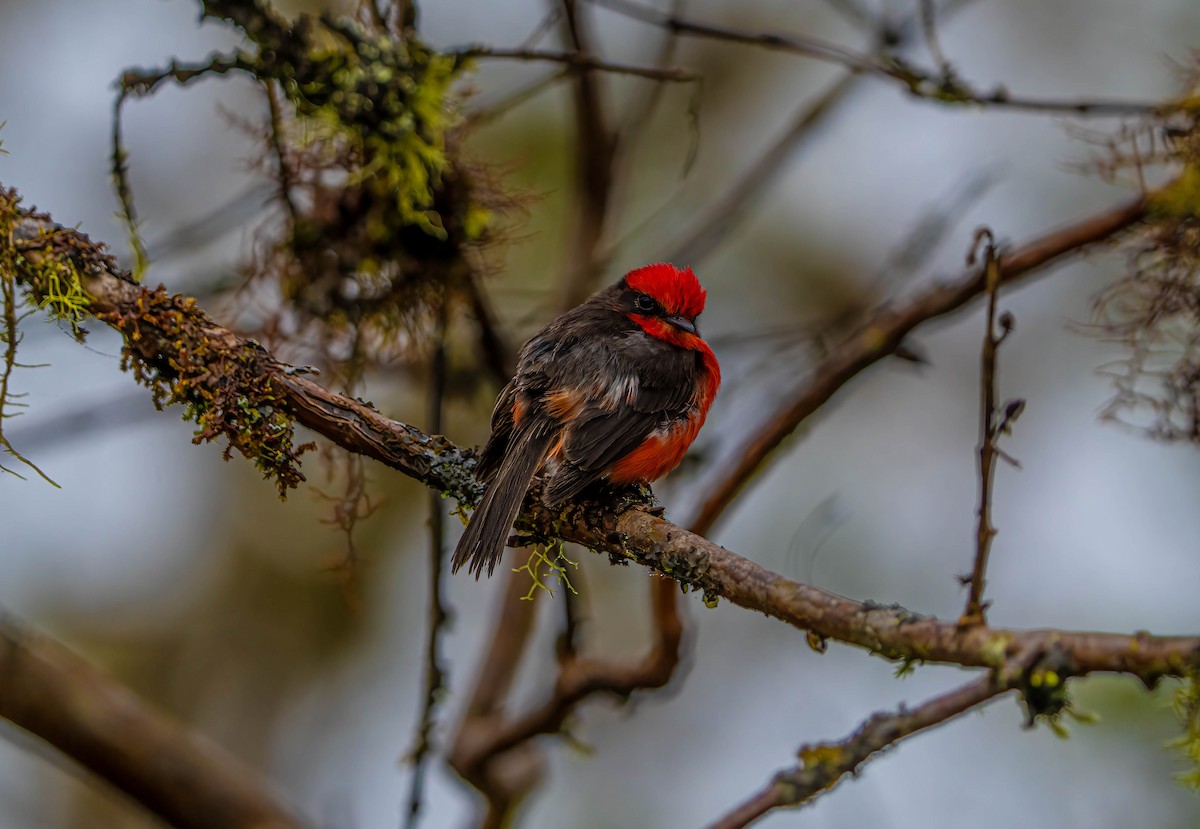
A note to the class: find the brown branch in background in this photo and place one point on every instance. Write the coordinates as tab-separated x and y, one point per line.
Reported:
435	671
172	772
823	765
885	330
929	86
928	15
503	782
728	212
582	61
494	350
596	149
989	431
487	112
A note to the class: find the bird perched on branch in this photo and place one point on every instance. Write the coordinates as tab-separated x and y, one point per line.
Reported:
614	390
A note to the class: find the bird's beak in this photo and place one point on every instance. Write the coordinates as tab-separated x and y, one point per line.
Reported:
682	323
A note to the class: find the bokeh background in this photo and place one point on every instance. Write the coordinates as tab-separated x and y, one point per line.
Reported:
188	579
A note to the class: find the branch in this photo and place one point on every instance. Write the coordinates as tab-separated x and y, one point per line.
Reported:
930	86
825	764
625	529
581	60
435	671
730	210
173	773
989	432
595	156
883	333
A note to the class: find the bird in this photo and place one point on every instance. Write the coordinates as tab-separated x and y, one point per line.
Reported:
612	391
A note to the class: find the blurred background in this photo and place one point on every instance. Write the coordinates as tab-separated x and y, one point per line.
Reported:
188	579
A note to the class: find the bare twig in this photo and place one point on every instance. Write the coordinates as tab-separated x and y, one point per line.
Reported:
172	772
581	60
596	151
976	608
929	86
435	671
823	765
486	112
928	14
885	330
503	784
728	212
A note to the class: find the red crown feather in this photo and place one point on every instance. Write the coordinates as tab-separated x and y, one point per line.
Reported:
677	291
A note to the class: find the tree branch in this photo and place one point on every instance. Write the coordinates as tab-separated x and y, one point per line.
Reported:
185	780
626	529
884	331
931	86
825	764
581	61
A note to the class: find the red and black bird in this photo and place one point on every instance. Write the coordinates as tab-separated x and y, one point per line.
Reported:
613	390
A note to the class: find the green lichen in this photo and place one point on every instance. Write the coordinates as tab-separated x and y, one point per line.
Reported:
1187	708
545	562
226	386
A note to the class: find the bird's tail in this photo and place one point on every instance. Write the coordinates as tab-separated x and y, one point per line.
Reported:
482	544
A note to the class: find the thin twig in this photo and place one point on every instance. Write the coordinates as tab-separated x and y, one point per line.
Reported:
435	671
985	532
581	60
595	154
924	85
728	212
485	113
825	764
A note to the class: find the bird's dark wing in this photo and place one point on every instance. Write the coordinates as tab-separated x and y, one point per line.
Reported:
636	386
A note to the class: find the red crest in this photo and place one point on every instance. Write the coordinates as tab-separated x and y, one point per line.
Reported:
677	290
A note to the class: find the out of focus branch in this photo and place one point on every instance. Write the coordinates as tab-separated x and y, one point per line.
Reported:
188	782
989	432
885	330
583	61
931	86
823	765
596	151
728	212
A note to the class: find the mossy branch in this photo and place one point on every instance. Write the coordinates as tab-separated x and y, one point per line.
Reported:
180	352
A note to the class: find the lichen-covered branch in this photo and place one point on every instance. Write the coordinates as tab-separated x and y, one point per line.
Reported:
188	782
823	765
626	529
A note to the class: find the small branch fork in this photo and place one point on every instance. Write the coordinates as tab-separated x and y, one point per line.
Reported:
823	765
989	429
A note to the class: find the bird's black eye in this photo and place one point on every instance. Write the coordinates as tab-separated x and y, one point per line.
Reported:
646	304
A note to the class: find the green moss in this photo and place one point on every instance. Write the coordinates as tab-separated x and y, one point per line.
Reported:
226	386
1187	707
1181	198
